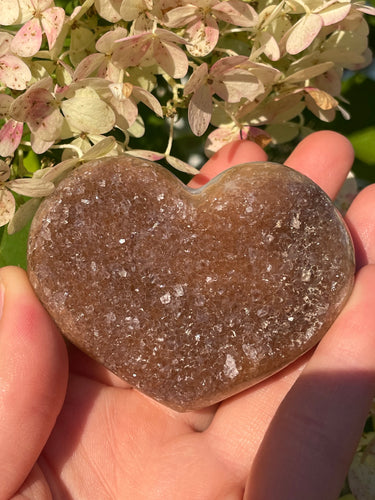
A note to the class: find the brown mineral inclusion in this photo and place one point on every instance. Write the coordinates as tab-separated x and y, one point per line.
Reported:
190	295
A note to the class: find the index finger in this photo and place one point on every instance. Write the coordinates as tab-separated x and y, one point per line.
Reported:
326	157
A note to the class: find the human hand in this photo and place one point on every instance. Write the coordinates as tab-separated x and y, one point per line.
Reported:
287	438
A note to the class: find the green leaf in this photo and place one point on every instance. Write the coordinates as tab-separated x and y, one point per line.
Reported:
13	248
31	162
363	142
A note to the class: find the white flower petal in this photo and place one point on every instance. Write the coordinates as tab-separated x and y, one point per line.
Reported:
86	112
146	154
33	187
109	9
102	148
181	165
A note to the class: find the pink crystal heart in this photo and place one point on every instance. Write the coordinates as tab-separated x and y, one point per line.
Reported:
190	295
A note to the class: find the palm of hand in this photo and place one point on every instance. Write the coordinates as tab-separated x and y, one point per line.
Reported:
111	442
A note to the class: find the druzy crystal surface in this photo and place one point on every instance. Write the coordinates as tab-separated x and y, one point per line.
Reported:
190	295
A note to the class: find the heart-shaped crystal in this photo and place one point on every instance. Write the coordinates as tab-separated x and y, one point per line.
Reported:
190	295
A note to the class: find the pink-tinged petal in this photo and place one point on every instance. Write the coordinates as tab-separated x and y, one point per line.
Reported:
14	73
181	16
334	13
303	33
203	36
200	110
106	42
9	12
10	137
39	109
88	66
169	36
219	138
131	50
52	23
28	39
197	79
236	12
226	64
148	99
7	206
171	58
145	154
126	113
366	9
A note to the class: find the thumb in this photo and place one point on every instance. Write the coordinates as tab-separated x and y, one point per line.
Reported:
33	378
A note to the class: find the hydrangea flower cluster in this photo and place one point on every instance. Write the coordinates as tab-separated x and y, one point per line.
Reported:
74	80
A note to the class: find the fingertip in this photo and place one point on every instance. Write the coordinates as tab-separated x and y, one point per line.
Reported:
231	154
326	157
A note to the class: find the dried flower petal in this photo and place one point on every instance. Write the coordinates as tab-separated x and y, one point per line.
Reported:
4	171
200	110
7	206
322	99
